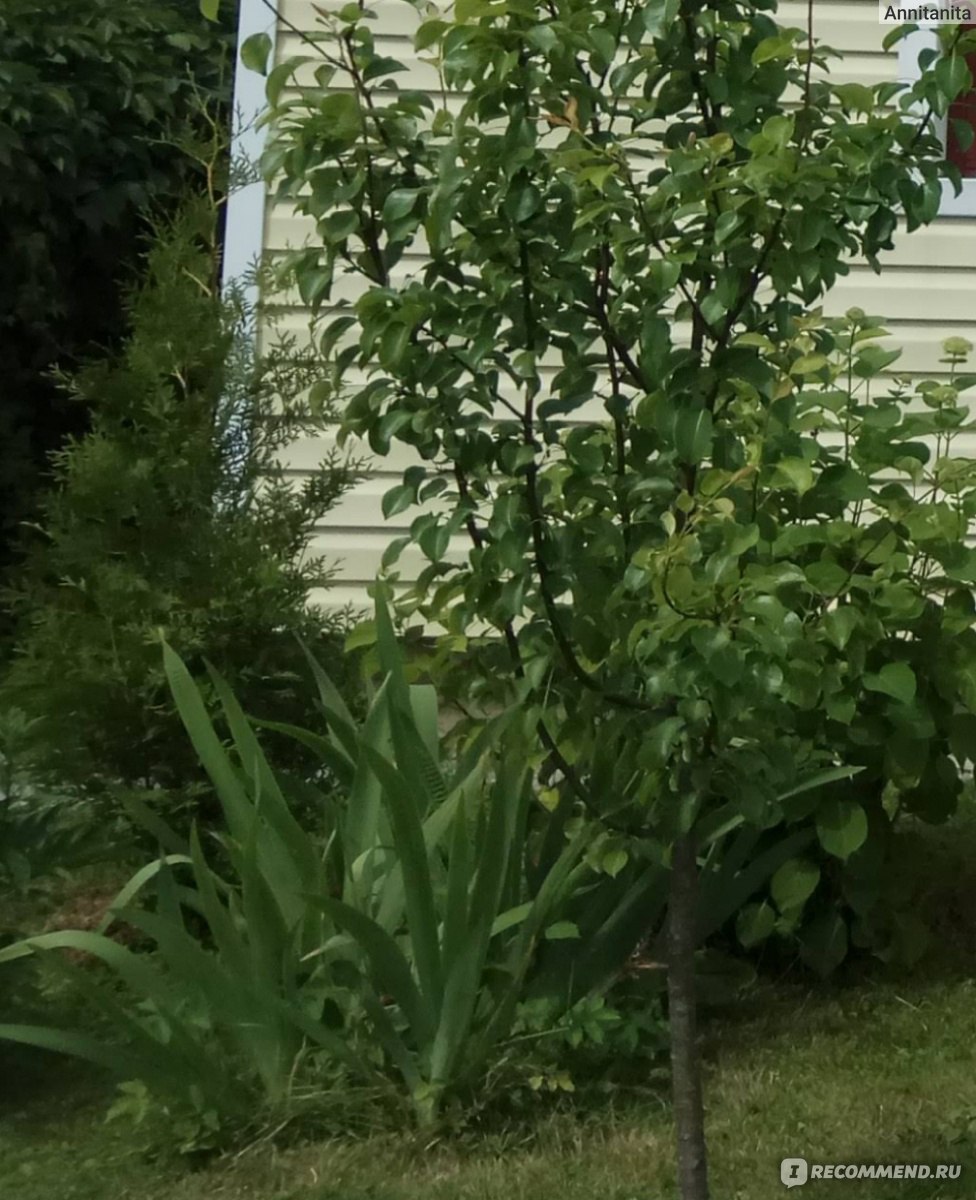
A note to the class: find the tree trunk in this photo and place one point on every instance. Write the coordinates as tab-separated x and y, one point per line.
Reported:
686	1086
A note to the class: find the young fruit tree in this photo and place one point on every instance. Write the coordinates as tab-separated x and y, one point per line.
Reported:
591	260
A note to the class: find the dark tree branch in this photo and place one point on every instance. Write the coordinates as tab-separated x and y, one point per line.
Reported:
546	738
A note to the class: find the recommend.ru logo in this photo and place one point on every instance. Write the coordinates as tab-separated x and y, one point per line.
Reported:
794	1172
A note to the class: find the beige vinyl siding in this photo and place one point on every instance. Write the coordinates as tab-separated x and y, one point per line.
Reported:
926	293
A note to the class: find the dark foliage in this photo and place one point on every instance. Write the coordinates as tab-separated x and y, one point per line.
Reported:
170	517
93	94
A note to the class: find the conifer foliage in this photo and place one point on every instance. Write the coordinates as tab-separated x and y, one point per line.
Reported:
172	518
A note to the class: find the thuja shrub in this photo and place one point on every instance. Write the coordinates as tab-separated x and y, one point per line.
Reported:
94	96
172	517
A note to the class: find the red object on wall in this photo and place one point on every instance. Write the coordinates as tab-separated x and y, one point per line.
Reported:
964	109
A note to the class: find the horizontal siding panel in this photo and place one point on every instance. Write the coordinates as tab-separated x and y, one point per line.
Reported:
304	455
920	340
848	27
361	509
851	26
943	297
854	68
355	554
348	598
942	246
898	294
394	17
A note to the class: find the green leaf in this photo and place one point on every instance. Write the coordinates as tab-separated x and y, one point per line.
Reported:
693	434
210	9
193	713
613	862
658	17
278	80
562	931
819	779
741	873
398	203
423	923
726	225
823	943
754	924
255	53
500	847
952	75
957	346
63	1041
840	623
397	499
390	967
135	885
543	37
429	33
895	679
842	827
793	473
809	364
772	47
794	883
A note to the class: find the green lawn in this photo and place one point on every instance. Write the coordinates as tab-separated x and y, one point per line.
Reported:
874	1068
868	1073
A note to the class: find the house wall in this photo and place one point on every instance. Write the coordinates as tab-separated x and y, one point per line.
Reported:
926	293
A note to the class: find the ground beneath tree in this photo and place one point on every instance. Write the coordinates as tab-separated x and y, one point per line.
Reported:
869	1072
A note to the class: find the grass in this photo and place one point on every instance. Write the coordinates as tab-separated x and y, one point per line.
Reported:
873	1073
874	1069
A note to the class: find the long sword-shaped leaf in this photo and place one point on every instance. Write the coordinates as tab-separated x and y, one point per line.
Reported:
821	779
392	1043
459	867
135	885
438	824
560	883
133	969
415	761
169	1061
274	807
390	969
425	711
341	719
364	809
75	1045
411	850
388	649
196	720
226	936
153	823
576	969
335	758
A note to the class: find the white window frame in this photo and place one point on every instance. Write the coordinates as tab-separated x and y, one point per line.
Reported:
244	228
963	205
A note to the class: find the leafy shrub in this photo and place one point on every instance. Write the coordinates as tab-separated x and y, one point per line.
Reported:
410	953
172	514
879	547
685	505
402	951
42	828
614	372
